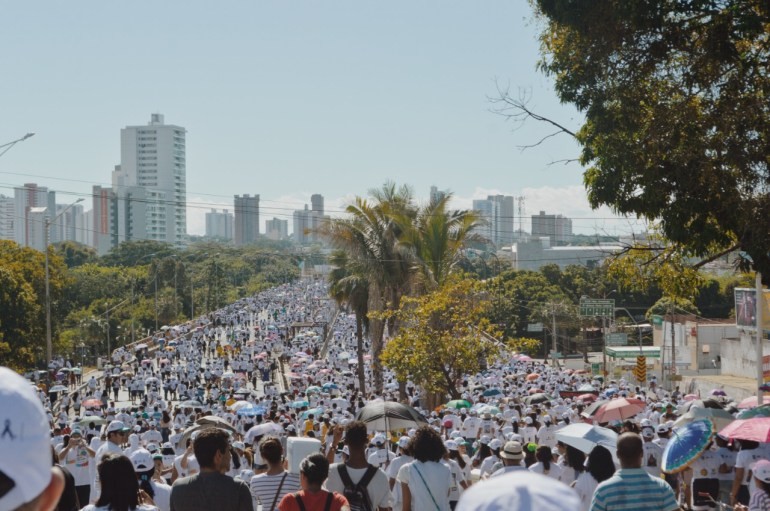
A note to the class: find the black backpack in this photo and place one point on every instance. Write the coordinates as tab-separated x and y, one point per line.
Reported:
357	496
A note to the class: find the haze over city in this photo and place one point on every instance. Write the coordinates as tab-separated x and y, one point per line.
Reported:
289	100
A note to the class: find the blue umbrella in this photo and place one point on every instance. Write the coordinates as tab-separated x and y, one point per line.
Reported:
299	404
330	385
685	445
312	411
492	392
251	411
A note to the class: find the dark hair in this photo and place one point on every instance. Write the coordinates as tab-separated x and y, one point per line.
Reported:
315	468
119	486
455	455
600	464
271	450
208	443
356	436
427	445
144	481
483	452
543	455
575	459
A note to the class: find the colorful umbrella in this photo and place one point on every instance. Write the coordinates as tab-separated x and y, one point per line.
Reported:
751	402
300	404
586	397
313	390
313	411
536	398
756	429
492	392
251	411
759	411
619	409
329	385
717	392
458	404
685	445
533	377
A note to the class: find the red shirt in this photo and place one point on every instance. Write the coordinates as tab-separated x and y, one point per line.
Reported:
313	501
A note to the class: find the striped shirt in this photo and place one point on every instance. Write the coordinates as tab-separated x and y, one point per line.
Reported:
760	501
633	489
264	488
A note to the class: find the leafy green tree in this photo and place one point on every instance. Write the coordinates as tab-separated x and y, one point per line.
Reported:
441	337
75	254
668	305
677	122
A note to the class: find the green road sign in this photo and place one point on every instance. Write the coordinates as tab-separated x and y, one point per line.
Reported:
657	320
616	339
535	327
590	308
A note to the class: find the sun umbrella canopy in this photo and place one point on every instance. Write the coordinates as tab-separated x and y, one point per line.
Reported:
313	390
492	392
751	402
389	416
313	411
619	409
586	397
488	409
240	405
587	387
593	408
140	346
57	388
251	411
264	429
719	418
756	429
533	377
685	445
759	411
584	437
458	404
300	403
192	403
536	398
92	403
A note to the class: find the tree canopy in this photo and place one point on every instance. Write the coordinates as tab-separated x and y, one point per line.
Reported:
677	118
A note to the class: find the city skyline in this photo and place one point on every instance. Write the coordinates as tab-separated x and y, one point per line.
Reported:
277	99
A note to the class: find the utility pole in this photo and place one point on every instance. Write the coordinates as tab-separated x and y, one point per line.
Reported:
760	336
553	319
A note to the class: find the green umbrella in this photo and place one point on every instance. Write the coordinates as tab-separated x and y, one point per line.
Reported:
759	411
458	403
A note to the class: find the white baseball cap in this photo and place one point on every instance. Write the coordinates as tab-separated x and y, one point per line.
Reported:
521	490
403	442
761	470
142	460
116	426
25	449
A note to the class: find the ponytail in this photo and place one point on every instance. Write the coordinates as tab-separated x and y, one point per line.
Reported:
144	482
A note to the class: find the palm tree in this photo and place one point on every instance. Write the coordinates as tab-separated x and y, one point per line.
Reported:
351	288
436	239
370	236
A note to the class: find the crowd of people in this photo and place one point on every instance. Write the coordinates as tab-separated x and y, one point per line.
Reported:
211	415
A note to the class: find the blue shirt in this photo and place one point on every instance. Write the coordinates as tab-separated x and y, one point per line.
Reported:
633	489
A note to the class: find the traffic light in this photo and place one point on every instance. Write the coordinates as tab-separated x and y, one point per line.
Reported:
640	371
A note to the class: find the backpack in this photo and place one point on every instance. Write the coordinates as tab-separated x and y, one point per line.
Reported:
357	496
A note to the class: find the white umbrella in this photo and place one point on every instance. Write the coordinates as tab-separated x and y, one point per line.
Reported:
344	355
584	437
265	428
57	388
240	405
140	346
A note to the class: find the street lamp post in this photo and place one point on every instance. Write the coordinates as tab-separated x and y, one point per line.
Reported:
48	222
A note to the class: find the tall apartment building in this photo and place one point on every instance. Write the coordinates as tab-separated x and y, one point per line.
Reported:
246	219
307	221
33	204
153	158
556	227
126	213
277	229
497	211
219	224
7	217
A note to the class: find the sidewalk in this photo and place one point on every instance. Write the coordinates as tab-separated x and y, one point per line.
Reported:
737	387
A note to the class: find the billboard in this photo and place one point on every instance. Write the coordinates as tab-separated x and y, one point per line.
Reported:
746	309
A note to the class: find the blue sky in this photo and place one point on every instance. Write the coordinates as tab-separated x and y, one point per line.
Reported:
288	98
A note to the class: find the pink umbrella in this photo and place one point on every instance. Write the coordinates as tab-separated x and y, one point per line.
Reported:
618	410
756	429
690	397
586	397
525	358
751	402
